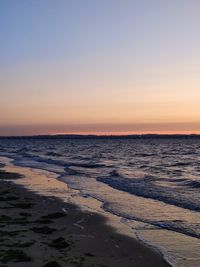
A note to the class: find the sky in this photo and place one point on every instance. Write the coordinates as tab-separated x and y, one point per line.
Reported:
99	66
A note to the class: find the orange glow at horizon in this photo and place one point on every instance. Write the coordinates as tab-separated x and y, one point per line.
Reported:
103	129
52	101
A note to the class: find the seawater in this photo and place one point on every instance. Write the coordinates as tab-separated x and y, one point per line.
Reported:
152	184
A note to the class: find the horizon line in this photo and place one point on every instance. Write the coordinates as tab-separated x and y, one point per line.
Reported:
103	135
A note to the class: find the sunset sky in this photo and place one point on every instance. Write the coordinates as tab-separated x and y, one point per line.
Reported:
99	66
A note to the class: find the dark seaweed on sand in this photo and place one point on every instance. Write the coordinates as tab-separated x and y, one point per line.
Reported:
22	205
43	230
14	256
60	243
54	215
52	264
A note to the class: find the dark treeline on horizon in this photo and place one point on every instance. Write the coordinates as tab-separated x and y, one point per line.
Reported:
79	136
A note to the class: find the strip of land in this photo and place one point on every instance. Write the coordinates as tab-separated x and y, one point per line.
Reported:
41	231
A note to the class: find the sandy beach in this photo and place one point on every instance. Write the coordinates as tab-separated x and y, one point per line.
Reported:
45	231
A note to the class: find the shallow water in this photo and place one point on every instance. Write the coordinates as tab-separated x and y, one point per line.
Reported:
154	182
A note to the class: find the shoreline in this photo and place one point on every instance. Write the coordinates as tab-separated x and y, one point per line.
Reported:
82	238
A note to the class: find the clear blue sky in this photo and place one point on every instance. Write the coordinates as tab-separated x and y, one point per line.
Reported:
101	65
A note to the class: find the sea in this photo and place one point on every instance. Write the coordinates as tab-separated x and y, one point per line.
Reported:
151	184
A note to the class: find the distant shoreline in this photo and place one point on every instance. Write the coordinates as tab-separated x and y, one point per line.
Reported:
84	136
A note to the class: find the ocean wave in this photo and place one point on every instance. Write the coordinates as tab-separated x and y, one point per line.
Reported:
185	182
89	165
172	225
70	171
114	173
53	154
176	180
145	187
143	155
182	164
193	184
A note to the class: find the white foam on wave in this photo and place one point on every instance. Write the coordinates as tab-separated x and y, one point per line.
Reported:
166	255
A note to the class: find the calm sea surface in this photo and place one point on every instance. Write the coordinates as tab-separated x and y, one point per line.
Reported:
155	182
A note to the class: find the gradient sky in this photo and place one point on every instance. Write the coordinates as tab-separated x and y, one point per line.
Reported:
99	66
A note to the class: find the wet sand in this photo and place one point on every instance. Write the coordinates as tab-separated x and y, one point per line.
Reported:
43	231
